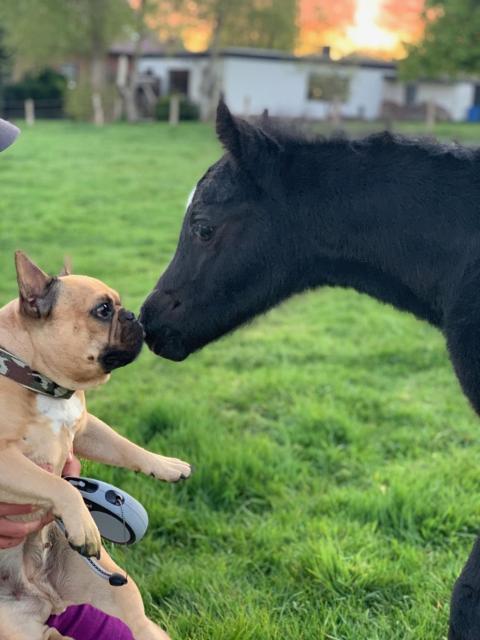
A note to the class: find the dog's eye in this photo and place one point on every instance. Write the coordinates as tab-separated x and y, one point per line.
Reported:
104	311
203	231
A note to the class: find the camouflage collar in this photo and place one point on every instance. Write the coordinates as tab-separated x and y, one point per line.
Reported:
15	369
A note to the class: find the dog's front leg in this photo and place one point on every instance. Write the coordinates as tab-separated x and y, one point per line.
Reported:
24	482
97	441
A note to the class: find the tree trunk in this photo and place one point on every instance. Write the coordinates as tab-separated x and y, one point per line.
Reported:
129	91
336	113
211	84
97	16
97	80
431	115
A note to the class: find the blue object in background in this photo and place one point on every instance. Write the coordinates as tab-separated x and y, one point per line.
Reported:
474	114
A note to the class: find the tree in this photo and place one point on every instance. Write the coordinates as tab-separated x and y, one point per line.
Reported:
43	32
450	43
323	22
269	24
4	64
403	17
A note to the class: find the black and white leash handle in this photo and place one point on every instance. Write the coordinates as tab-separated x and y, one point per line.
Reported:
119	517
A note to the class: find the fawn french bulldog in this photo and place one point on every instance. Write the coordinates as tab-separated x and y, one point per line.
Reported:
63	335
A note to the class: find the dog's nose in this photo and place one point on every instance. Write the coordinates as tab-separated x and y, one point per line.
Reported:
125	315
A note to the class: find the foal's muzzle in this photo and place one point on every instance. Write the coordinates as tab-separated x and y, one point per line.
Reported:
160	336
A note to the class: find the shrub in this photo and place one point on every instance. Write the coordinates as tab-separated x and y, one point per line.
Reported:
78	103
188	109
46	85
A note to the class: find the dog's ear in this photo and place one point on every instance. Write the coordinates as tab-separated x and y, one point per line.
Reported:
37	290
67	267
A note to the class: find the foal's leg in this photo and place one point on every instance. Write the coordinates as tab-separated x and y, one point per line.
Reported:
465	603
462	330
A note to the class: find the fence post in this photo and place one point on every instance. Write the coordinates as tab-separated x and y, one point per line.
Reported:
29	106
98	115
431	115
174	110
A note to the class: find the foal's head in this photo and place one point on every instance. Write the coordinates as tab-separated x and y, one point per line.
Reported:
228	263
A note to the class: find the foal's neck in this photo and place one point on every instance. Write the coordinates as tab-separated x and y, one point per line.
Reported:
360	220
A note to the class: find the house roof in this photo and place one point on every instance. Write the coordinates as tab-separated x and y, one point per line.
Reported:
152	48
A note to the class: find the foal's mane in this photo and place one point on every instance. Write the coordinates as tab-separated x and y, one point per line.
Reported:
296	136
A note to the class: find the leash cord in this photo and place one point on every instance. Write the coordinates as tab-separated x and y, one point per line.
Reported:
119	502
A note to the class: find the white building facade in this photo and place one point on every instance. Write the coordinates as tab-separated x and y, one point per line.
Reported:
253	80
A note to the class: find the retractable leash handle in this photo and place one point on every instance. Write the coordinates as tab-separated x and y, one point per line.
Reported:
8	133
119	517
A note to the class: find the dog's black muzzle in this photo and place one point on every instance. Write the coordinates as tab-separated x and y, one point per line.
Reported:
126	344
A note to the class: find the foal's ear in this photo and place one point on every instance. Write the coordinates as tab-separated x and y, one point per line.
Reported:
36	289
248	144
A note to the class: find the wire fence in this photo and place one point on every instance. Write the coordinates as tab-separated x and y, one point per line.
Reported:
32	109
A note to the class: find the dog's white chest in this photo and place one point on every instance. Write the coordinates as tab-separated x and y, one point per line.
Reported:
60	413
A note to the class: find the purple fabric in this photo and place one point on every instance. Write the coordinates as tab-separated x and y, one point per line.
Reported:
84	622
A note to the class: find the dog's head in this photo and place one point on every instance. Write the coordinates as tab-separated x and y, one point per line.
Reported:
78	328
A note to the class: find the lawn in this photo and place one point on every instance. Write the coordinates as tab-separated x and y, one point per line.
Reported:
337	479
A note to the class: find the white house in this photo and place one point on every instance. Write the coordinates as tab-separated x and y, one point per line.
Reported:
288	86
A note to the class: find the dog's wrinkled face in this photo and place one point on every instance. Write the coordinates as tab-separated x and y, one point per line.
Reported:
80	332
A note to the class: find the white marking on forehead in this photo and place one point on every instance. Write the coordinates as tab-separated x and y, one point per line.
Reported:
191	196
60	413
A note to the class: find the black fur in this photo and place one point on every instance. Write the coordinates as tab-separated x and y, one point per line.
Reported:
395	218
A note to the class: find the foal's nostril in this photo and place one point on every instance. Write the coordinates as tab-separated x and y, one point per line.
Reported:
174	302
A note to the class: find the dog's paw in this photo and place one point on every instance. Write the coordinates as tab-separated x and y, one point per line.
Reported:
168	469
82	532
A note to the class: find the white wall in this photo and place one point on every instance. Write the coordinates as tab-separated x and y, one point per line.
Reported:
366	93
251	85
394	91
455	97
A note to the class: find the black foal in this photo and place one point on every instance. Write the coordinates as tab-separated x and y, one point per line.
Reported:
394	218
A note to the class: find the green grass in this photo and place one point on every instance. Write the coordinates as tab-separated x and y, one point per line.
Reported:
459	132
337	476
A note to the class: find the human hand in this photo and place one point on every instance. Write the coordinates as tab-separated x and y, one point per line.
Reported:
72	466
13	533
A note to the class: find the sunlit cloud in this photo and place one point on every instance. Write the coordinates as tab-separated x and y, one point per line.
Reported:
375	27
365	32
378	27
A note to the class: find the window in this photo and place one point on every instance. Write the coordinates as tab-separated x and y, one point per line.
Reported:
178	82
476	96
410	94
328	87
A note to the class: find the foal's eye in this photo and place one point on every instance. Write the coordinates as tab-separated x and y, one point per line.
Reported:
103	311
203	231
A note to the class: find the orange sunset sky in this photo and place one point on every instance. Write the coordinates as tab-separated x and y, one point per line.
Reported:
373	26
376	27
